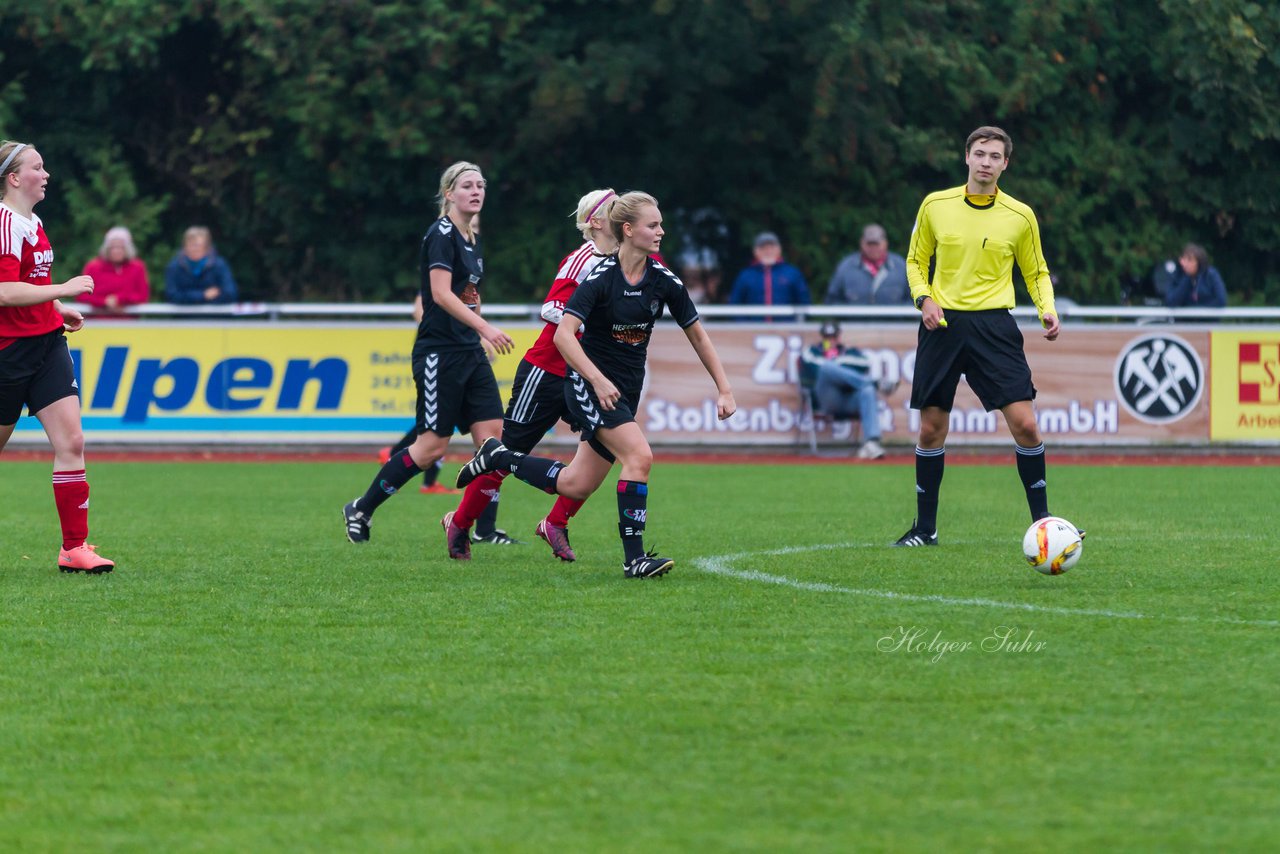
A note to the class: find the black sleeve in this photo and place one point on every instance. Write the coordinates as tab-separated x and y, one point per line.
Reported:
678	303
437	247
586	297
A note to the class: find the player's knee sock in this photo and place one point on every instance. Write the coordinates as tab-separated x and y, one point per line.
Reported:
476	497
432	473
563	510
405	441
71	495
929	466
398	471
487	521
538	472
1031	470
633	502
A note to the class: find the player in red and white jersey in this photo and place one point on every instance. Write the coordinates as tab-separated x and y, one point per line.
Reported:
35	364
537	397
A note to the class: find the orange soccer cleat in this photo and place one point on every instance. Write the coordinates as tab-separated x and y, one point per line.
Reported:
84	558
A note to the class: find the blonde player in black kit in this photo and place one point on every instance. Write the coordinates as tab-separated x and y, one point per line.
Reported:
451	372
619	304
975	233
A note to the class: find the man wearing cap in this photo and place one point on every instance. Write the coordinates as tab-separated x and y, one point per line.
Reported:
770	280
842	386
871	276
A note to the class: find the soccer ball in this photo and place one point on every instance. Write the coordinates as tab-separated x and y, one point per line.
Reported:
1052	545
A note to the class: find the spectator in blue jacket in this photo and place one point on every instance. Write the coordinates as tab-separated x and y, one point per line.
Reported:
871	276
1196	284
770	280
197	275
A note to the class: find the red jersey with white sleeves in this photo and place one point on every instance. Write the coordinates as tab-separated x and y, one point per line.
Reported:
574	269
25	256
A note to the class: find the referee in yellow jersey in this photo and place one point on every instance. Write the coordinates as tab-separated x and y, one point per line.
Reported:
975	233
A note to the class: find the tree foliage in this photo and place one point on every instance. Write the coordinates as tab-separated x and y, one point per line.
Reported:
310	135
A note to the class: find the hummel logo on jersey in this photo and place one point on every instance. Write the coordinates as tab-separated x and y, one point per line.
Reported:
626	293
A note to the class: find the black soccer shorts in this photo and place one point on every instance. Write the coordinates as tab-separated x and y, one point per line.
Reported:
586	416
986	347
455	390
35	372
537	403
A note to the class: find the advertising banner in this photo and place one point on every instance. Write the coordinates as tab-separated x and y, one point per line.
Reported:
1246	386
334	382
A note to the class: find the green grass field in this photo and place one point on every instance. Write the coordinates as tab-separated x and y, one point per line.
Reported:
249	681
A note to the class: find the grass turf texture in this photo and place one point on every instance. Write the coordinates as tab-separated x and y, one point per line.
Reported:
248	680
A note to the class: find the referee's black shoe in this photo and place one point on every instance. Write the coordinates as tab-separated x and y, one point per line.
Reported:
482	463
916	537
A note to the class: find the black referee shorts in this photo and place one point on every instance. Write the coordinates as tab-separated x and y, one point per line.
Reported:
455	389
985	346
35	372
537	403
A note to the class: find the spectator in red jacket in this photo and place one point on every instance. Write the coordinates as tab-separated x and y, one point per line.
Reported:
119	278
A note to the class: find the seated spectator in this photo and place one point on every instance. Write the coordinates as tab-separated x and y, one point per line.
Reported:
197	275
119	278
770	280
842	386
871	276
1196	284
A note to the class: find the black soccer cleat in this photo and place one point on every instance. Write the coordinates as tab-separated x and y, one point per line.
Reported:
499	537
357	523
648	565
916	537
481	463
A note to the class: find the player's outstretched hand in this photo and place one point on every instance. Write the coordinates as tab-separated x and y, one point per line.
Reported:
497	339
73	288
1051	327
726	405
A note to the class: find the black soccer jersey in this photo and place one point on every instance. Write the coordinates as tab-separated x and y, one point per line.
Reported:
445	248
619	316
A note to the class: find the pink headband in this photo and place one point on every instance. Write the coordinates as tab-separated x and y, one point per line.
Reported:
606	198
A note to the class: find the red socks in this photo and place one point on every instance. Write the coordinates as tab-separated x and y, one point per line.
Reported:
564	510
71	494
477	496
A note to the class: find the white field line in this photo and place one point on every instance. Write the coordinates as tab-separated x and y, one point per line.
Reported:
723	565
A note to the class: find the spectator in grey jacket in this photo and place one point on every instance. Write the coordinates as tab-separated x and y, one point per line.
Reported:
871	276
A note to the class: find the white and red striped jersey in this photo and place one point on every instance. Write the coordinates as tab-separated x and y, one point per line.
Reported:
25	256
574	269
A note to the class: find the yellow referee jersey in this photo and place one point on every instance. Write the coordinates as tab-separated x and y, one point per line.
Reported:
976	240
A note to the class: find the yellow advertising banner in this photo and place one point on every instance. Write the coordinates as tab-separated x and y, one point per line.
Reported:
259	382
1246	386
249	382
